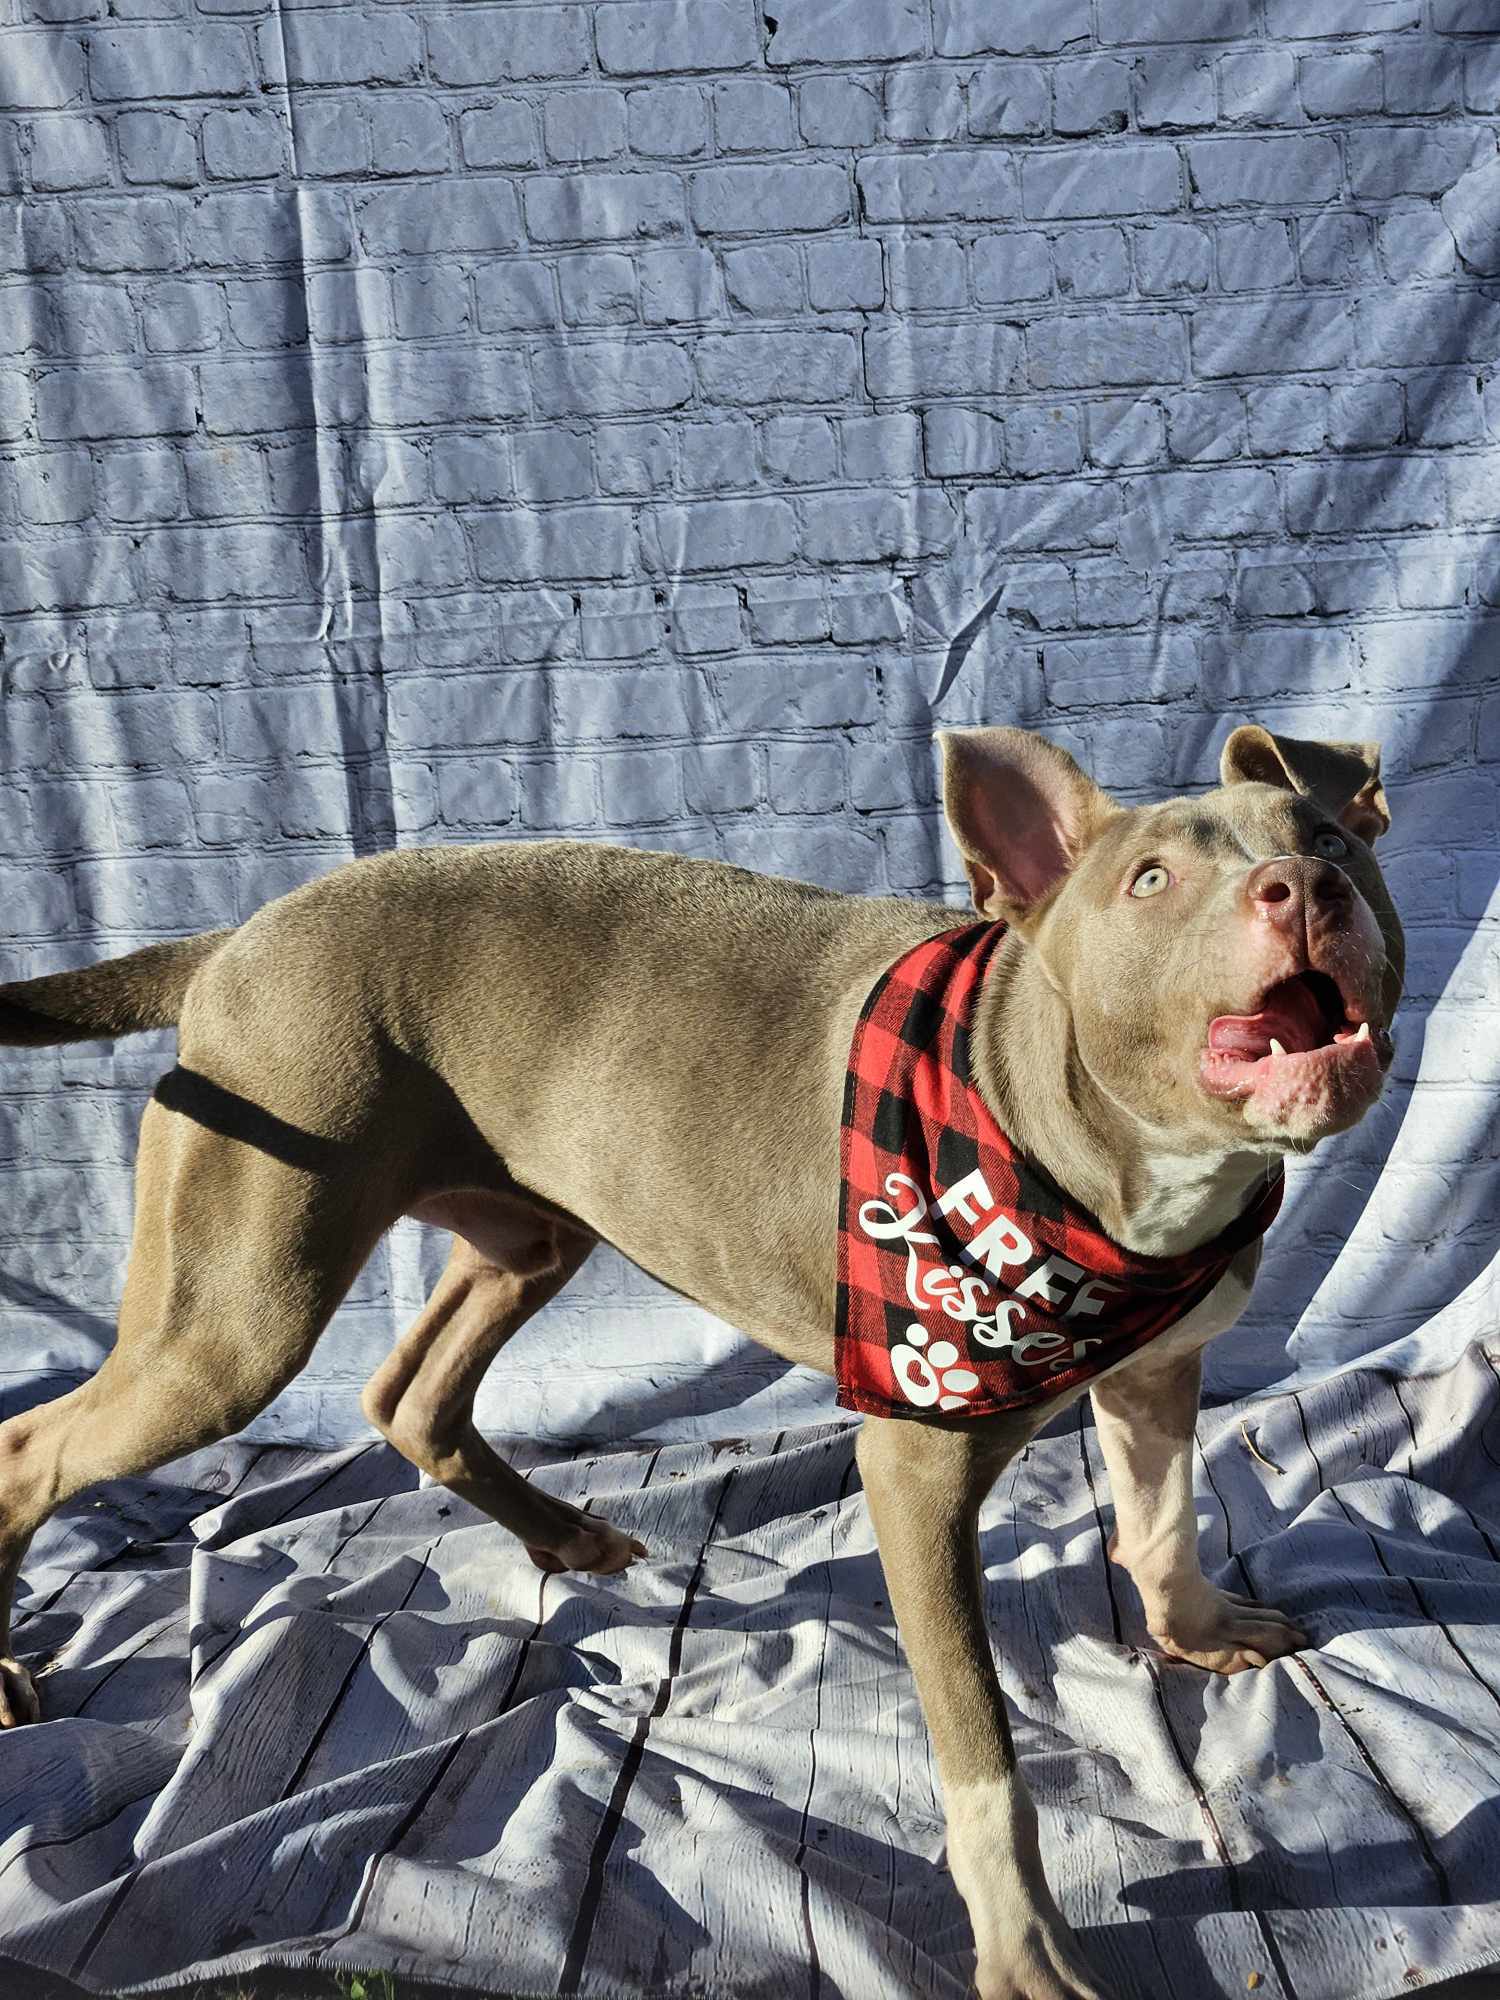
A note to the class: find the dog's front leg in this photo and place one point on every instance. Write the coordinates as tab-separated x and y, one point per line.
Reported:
925	1487
1146	1414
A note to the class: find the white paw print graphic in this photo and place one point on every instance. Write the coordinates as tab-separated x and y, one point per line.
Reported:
926	1373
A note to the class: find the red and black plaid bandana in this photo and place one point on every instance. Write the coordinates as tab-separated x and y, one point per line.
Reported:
968	1280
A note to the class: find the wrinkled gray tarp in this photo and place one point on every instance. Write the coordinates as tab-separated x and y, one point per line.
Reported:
648	421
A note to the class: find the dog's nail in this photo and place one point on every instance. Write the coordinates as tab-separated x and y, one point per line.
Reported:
1364	1032
1276	1048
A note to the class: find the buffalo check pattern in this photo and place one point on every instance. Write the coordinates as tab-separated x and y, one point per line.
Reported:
969	1282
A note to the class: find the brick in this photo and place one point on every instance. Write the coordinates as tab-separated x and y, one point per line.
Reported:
1335	249
408	135
153	399
878	527
837	111
718	456
434	385
68	153
1077	671
722	777
1166	21
597	289
1285	169
845	276
1011	268
808	777
429	301
333	137
1444	406
1173	258
758	368
576	209
267	313
610	378
961	443
1255	256
160	61
278	394
1072	514
1416	243
1299	335
1174	93
498	135
741	200
470	470
141	485
450	215
1139	348
1469	210
786	610
639	37
811	31
1091	263
980	358
677	286
225	479
1362	415
508	44
1342	17
923	104
464	710
721	534
43	71
798	451
704	618
243	145
1043	439
882	449
55	486
554	465
268	226
564	543
1259	87
1126	432
1292	417
751	116
620	624
952	186
1397	161
607	704
580	125
518	294
1401	493
1009	101
210	565
384	47
1075	181
132	233
928	273
157	147
767	282
1339	86
1090	96
1007	27
668	121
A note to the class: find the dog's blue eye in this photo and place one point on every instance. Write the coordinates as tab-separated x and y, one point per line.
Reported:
1332	846
1150	882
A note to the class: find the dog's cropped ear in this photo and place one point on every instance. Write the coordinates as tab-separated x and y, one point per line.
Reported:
1344	778
1021	813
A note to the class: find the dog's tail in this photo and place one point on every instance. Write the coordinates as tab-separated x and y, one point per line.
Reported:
118	996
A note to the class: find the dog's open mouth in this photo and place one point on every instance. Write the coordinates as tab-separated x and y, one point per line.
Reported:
1302	1031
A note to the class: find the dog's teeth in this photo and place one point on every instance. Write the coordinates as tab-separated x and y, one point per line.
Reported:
1364	1032
1276	1048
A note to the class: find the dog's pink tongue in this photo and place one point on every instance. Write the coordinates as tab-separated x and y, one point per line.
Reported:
1291	1014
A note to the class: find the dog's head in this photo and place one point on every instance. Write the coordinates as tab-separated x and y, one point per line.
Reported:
1230	963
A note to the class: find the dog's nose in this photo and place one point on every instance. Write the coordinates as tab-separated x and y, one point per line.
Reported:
1289	886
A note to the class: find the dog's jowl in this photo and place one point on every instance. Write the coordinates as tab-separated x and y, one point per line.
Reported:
1015	1160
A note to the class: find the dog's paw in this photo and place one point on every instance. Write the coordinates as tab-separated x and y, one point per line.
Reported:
592	1545
1227	1633
1042	1964
18	1696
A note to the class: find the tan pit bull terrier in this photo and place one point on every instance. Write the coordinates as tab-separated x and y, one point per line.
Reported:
1189	991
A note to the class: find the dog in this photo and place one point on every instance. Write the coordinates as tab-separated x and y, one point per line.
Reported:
541	1045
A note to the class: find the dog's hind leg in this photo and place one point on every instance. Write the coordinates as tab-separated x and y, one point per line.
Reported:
237	1263
422	1397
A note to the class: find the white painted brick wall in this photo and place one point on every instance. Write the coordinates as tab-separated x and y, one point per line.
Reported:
454	423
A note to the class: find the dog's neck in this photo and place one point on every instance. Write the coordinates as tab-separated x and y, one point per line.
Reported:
1153	1198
